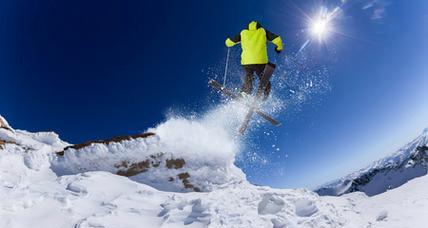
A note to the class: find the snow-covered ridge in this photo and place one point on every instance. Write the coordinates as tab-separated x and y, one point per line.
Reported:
408	162
149	158
5	140
4	124
179	155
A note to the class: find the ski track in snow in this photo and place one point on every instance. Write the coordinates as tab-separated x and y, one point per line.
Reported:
38	190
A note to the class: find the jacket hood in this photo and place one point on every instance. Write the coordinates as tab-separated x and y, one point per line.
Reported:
253	26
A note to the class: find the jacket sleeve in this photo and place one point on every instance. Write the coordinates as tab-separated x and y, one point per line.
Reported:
230	42
275	39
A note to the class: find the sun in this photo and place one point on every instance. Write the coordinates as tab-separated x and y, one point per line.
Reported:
321	25
320	28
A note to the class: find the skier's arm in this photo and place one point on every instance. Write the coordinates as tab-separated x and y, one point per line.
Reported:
275	39
230	42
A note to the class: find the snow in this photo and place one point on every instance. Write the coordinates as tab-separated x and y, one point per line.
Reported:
404	207
4	123
39	188
305	208
382	215
208	155
270	205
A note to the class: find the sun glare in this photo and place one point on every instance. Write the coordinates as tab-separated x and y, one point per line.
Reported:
321	25
320	28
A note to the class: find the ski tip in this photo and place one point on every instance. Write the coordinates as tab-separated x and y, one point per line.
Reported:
215	84
241	132
276	123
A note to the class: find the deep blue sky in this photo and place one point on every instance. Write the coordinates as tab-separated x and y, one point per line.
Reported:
96	69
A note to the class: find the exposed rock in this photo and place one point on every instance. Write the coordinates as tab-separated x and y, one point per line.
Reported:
105	141
175	163
184	177
133	169
4	142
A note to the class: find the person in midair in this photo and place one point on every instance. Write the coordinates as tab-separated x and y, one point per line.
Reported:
254	55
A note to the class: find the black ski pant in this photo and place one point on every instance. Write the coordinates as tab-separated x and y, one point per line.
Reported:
248	79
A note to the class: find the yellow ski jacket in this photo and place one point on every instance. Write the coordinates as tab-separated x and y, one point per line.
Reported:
253	42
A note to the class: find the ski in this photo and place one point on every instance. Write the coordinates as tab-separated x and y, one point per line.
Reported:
267	74
217	86
246	122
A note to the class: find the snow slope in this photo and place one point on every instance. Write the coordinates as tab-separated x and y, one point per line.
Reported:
409	162
45	182
402	207
39	184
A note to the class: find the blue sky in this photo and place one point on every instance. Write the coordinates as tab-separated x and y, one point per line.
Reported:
96	69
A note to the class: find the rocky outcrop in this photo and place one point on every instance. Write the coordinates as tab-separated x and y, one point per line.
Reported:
4	142
135	160
179	155
116	139
125	168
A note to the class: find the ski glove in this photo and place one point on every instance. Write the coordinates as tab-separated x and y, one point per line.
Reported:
278	51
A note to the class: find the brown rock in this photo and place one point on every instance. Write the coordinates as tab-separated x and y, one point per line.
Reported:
3	142
175	163
134	169
184	177
131	169
106	141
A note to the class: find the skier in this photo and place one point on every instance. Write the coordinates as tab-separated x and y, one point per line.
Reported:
254	57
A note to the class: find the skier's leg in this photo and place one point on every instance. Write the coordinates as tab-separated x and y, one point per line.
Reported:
247	86
267	90
264	82
262	85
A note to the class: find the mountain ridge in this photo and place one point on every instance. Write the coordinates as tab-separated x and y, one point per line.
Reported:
408	162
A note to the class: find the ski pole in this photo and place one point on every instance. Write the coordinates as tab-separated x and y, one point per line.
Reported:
225	67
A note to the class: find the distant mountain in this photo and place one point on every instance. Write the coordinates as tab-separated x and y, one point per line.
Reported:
409	162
